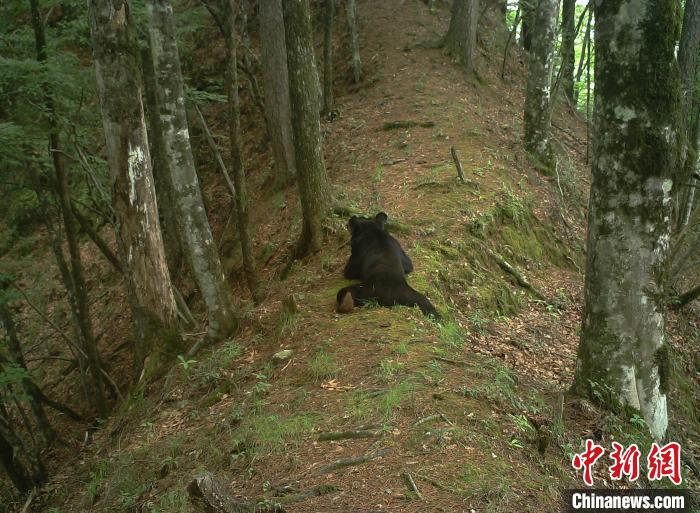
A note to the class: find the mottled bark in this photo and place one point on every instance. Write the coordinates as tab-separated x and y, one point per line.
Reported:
273	57
355	59
526	8
75	286
328	14
314	189
688	50
138	229
622	358
568	49
174	253
234	111
460	40
538	101
194	230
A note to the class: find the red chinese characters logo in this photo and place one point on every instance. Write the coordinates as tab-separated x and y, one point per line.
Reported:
665	462
587	459
625	462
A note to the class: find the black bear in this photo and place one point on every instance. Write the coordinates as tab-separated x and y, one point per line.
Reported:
377	259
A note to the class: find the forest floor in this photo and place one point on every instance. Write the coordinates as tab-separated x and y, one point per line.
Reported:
473	409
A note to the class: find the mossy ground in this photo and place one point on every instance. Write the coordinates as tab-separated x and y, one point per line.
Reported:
454	402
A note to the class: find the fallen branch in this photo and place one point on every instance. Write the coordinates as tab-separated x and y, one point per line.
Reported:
458	164
215	150
351	462
95	237
348	435
437	484
412	484
208	493
459	363
393	125
520	279
686	298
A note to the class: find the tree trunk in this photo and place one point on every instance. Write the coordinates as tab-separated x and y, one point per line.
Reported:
460	40
688	62
622	357
538	101
234	111
174	252
526	8
14	469
329	12
76	285
138	228
584	55
273	56
354	41
568	48
314	189
28	386
195	233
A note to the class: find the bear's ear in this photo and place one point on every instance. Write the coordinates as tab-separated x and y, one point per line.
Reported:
380	219
352	223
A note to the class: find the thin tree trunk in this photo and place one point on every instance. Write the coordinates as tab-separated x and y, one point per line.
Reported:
538	101
314	189
329	12
460	40
355	60
30	388
526	8
14	469
688	61
622	357
138	228
568	39
273	57
61	186
174	252
195	233
584	54
234	110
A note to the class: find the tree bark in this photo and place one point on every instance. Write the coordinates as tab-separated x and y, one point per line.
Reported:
174	252
234	111
273	57
355	60
584	55
538	101
329	13
138	229
314	189
622	357
195	232
460	40
76	287
568	48
688	61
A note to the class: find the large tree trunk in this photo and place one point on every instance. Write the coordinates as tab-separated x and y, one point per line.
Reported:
354	41
273	57
75	286
174	252
234	111
688	62
538	101
329	12
314	190
195	233
622	358
568	48
460	40
138	228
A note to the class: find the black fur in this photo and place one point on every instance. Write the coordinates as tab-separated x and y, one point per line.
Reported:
378	260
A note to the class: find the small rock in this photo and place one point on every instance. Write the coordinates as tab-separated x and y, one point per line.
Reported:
283	355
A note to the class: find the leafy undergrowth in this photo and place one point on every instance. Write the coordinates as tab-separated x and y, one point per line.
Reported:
473	409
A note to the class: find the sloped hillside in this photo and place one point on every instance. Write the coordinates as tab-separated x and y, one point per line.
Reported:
383	409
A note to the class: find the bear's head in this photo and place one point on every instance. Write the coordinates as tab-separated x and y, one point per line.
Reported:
359	225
